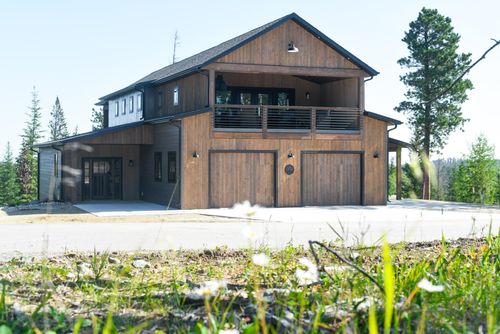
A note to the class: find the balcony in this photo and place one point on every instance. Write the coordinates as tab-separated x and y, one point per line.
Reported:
285	119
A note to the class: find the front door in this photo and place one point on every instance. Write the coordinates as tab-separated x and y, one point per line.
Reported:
102	178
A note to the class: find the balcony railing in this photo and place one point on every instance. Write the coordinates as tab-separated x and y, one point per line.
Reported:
267	118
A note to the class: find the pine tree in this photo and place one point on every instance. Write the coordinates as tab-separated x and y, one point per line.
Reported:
27	162
57	124
9	189
433	65
97	119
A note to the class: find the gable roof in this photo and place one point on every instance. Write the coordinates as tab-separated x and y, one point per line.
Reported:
194	63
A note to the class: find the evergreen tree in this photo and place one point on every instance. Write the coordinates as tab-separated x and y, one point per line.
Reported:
433	65
57	124
75	131
9	189
97	119
475	179
27	162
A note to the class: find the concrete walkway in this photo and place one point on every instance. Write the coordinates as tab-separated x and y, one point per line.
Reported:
411	221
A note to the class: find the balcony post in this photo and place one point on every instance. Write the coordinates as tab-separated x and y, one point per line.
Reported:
264	119
313	120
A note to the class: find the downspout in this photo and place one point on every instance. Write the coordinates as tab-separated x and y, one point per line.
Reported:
387	158
370	78
143	100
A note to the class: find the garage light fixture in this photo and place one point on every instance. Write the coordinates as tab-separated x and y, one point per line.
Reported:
292	48
196	154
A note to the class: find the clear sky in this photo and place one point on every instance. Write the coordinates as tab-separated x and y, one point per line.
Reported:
82	50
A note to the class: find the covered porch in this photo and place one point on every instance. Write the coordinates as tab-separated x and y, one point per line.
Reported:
395	146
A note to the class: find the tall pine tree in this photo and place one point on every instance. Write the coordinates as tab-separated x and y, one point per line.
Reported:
57	124
9	189
433	64
27	162
97	119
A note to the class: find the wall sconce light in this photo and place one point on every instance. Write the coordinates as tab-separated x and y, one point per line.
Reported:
291	155
196	154
292	48
376	154
131	163
308	95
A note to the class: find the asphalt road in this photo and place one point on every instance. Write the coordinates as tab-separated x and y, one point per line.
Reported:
274	227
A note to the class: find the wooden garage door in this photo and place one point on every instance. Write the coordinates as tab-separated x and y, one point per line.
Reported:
236	176
331	178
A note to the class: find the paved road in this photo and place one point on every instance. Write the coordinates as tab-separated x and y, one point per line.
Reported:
274	227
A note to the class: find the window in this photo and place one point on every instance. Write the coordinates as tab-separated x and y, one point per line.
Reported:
117	108
172	167
131	104
139	102
160	100
158	166
176	96
124	110
56	165
86	172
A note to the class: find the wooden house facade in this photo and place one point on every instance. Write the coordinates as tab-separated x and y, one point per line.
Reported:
275	116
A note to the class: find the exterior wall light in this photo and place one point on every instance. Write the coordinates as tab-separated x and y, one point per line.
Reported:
291	155
376	154
196	154
292	48
131	163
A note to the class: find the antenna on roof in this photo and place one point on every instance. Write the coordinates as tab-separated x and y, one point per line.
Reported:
176	43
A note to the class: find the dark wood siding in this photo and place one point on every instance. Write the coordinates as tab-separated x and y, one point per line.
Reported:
238	176
375	144
331	178
193	95
166	139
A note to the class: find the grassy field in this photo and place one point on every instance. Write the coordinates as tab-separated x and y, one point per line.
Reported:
433	287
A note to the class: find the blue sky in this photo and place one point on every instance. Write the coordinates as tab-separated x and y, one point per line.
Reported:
82	50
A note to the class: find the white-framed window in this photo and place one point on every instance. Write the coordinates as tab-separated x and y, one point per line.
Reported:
131	104
124	110
139	102
176	96
117	108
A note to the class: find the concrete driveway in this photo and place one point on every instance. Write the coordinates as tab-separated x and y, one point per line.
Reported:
275	227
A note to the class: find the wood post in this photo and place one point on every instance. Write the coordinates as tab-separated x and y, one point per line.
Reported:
398	173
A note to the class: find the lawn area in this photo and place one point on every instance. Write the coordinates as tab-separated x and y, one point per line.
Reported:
430	287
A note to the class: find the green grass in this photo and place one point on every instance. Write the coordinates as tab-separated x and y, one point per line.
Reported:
111	295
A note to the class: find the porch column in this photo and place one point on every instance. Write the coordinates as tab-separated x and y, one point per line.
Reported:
211	88
398	173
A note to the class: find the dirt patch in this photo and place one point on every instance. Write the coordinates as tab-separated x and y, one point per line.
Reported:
64	212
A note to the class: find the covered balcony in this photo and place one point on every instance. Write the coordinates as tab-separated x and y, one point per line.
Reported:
276	103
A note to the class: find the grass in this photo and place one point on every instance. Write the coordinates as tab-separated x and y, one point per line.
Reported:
106	293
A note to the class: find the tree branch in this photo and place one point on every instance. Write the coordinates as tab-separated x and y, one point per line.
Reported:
497	42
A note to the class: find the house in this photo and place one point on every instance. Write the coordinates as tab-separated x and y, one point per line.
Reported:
275	116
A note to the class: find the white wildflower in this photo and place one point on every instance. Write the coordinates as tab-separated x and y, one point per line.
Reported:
246	208
210	288
260	259
249	233
305	277
426	285
364	303
229	331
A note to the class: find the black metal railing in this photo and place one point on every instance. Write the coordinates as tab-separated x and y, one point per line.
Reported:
267	118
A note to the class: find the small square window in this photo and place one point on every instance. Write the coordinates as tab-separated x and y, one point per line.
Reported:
139	102
160	100
157	166
131	104
176	96
117	108
124	109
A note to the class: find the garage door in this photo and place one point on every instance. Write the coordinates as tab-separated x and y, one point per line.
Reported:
331	178
236	176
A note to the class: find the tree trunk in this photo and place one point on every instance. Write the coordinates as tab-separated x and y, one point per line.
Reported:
426	180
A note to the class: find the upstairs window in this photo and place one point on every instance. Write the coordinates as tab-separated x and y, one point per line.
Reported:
160	100
158	166
131	104
176	96
124	105
139	102
117	108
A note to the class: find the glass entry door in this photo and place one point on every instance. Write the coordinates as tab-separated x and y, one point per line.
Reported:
102	178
